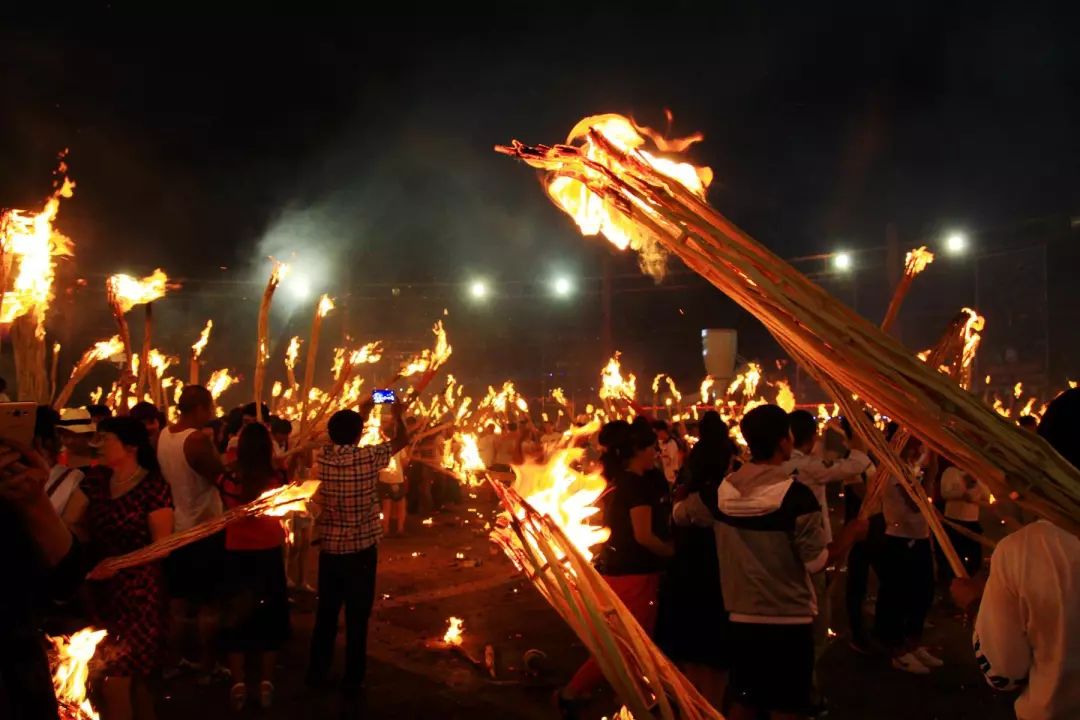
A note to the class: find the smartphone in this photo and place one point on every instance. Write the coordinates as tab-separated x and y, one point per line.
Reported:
383	397
17	421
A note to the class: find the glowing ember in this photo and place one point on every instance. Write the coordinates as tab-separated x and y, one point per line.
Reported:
428	521
612	384
917	260
73	655
129	292
204	338
453	632
31	241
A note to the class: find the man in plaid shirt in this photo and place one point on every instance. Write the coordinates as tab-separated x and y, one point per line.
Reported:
349	531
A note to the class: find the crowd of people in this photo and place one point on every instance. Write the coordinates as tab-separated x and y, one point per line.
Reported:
94	486
724	553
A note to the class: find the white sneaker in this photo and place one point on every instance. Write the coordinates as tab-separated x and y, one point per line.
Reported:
909	663
923	656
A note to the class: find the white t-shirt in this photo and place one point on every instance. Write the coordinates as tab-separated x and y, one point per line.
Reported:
816	473
60	486
195	498
961	502
1028	627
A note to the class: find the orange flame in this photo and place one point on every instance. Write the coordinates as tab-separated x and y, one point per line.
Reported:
288	498
916	261
292	353
204	338
34	243
128	292
219	382
592	213
453	632
73	655
325	305
612	384
784	397
558	489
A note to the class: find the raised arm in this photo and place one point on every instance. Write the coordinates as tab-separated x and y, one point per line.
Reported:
203	457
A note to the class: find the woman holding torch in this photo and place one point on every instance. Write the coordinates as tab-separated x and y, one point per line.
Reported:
122	505
636	506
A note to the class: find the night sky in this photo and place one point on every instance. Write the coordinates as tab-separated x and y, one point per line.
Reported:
363	144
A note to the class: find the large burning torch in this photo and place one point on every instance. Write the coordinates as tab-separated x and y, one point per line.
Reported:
123	293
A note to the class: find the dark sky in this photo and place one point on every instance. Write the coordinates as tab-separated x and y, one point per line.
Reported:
366	141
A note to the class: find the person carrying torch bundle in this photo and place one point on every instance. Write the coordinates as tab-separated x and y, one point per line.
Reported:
349	528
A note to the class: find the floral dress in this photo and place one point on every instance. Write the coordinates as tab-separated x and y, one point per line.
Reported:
132	605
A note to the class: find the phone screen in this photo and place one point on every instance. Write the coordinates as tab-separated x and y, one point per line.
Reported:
383	397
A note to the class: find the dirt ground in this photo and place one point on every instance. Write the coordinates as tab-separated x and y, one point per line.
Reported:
447	569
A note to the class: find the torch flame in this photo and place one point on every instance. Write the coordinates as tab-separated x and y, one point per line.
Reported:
453	632
73	656
105	349
325	305
612	384
220	381
31	239
917	260
204	338
287	498
784	397
292	353
128	292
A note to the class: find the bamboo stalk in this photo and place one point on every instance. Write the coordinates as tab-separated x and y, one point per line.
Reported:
263	342
309	364
915	263
857	356
100	351
145	370
53	371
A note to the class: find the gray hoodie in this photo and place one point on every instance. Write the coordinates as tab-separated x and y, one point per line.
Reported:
769	537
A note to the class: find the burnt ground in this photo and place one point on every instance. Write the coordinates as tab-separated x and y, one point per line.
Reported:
422	582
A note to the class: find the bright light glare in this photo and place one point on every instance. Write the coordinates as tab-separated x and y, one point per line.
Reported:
956	243
299	286
842	260
478	289
561	286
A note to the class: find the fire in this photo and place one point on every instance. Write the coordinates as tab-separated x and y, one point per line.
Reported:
160	363
204	338
591	212
275	389
372	428
1018	390
453	632
559	396
34	243
325	305
293	352
287	498
706	385
105	349
429	359
784	397
748	381
556	488
367	355
917	260
73	655
612	384
128	292
220	381
1026	410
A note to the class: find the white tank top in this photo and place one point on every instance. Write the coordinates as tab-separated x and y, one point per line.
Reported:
196	499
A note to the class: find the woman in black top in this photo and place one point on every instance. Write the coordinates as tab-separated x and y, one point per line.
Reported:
636	506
